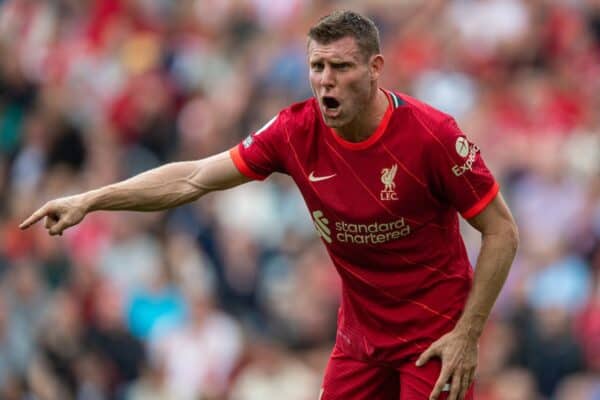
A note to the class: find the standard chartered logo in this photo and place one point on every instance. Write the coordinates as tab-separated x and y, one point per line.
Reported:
371	233
321	225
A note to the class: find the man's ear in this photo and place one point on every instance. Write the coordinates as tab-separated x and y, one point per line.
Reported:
376	66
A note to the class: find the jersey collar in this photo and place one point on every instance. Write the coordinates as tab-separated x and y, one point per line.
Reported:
378	132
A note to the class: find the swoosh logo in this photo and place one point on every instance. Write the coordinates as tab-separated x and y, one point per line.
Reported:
314	178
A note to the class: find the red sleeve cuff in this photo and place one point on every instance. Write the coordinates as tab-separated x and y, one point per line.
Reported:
482	203
241	165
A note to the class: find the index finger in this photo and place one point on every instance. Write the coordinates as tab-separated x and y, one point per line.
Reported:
33	218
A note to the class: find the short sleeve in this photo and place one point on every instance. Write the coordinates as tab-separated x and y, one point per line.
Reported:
259	154
458	173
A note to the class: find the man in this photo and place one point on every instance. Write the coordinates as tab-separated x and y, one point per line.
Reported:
383	176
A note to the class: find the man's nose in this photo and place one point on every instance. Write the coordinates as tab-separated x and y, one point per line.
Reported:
328	77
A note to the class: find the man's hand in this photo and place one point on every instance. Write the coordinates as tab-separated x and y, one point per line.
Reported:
458	352
60	214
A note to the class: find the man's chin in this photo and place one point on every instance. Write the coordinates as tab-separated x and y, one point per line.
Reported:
333	122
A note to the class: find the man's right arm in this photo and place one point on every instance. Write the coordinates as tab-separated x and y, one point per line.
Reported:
161	188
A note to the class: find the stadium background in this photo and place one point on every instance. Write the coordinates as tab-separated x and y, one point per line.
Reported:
233	297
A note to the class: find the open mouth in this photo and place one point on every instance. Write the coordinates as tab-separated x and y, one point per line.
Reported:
330	103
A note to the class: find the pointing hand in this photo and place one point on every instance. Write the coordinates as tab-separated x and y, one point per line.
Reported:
60	214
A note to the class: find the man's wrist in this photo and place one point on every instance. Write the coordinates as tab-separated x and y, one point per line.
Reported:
471	327
87	200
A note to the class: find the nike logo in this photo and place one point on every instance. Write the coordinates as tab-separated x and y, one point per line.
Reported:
314	178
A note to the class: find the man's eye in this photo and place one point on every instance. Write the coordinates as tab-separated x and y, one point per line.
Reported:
341	65
317	66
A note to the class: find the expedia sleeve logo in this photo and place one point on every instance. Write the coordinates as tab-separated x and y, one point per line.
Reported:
371	233
465	150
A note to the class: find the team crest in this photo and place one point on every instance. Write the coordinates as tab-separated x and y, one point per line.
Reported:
389	187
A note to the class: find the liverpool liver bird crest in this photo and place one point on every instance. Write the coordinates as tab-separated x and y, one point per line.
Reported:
387	178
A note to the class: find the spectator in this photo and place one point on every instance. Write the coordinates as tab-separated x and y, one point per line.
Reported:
199	357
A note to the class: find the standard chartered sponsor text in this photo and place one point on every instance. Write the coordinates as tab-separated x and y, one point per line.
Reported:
373	233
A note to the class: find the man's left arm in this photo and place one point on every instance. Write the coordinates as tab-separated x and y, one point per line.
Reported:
458	348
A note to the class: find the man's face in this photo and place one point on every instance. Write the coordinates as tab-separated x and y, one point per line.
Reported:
341	80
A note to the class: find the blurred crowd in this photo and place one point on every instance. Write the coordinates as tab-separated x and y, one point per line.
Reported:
233	296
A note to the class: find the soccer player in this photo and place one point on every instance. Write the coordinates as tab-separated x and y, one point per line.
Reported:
384	177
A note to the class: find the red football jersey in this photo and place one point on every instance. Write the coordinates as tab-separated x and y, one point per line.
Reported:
386	209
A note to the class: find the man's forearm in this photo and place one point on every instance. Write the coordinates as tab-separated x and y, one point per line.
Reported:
167	186
494	261
458	348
